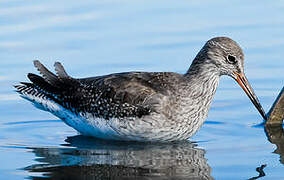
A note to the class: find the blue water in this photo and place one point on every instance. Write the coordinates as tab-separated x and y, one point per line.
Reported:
100	37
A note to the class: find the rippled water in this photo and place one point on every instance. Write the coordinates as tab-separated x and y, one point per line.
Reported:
99	37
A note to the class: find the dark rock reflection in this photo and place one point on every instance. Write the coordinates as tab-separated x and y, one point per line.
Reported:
91	159
275	135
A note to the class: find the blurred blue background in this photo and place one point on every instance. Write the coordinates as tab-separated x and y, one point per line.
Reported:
99	37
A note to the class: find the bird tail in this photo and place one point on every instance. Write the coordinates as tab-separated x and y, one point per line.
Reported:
44	91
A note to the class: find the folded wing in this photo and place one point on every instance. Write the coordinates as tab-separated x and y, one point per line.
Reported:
120	95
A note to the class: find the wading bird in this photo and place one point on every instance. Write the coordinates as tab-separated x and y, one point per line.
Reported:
140	106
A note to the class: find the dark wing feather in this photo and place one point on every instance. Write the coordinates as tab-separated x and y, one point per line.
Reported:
116	95
122	94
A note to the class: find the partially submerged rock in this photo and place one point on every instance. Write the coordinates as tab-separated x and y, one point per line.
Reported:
276	113
274	127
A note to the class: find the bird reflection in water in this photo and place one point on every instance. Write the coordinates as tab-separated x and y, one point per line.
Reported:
89	158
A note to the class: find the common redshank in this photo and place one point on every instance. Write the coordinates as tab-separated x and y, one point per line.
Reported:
140	106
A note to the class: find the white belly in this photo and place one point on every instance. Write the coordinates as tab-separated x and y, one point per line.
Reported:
147	128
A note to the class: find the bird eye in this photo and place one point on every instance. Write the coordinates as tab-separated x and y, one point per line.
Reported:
231	59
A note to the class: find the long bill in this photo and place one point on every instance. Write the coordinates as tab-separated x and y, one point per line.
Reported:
243	82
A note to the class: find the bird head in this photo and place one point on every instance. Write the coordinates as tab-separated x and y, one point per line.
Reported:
228	58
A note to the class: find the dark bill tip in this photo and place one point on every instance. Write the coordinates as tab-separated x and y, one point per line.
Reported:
243	82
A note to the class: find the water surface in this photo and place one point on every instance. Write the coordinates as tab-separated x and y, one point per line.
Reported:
100	37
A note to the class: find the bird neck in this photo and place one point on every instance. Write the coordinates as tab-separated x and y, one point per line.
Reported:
202	66
196	95
201	82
